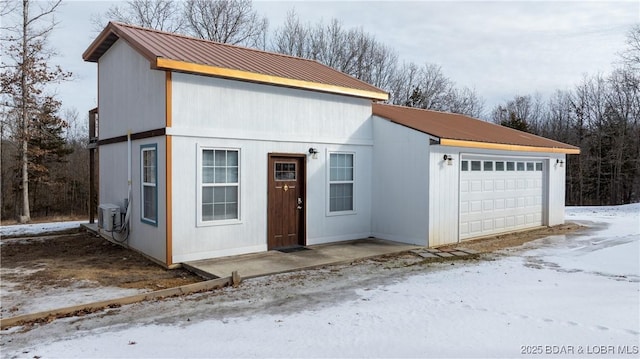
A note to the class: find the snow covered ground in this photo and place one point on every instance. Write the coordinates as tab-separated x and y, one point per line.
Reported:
563	296
37	228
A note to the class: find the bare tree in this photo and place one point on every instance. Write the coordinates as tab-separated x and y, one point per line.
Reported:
163	15
427	87
522	113
465	101
227	21
25	78
292	37
352	51
631	55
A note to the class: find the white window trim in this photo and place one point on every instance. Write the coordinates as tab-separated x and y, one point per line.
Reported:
222	222
329	182
143	184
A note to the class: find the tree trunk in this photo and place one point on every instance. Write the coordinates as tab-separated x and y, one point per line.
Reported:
26	213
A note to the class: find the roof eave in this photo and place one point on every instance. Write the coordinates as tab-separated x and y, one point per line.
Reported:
98	48
508	147
188	67
91	53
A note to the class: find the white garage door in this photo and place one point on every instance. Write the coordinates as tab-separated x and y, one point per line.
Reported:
500	195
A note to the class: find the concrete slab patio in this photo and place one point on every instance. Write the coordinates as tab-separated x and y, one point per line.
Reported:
273	262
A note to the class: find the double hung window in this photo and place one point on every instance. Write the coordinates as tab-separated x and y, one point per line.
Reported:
219	192
341	182
149	183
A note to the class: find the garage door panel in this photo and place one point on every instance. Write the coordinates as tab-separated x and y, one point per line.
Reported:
487	225
464	207
475	186
503	195
464	186
487	186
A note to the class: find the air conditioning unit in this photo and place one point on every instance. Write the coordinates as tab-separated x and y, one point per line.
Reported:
108	216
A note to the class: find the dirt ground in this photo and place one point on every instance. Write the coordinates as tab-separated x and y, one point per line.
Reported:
494	243
82	256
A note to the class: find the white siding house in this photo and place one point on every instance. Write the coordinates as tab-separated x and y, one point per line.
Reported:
214	150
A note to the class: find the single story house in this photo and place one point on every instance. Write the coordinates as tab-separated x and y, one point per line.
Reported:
214	150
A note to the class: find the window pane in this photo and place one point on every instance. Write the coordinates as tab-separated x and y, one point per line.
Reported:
499	166
529	166
207	175
218	195
510	166
341	197
285	171
149	203
207	195
349	174
232	175
475	166
538	166
207	157
333	174
231	211
207	212
220	158
232	158
231	194
220	175
488	166
465	166
520	166
219	211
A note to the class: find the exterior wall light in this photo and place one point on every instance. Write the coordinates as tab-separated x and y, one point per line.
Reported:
559	162
449	160
313	152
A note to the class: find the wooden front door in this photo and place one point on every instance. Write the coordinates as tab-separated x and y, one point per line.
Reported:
286	197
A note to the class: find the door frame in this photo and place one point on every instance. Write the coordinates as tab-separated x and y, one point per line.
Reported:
302	229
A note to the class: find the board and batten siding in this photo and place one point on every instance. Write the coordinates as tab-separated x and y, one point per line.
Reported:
220	108
259	120
400	183
131	99
131	95
444	191
557	183
147	238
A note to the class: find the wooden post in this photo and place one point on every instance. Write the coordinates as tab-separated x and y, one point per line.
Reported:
235	278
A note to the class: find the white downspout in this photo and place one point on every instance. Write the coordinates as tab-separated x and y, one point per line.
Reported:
129	182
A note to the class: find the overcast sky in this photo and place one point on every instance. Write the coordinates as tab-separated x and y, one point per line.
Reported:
500	48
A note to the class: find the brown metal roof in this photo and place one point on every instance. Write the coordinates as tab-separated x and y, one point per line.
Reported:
181	53
460	130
